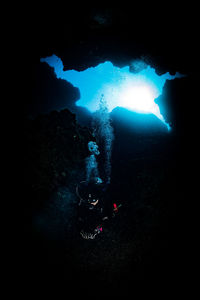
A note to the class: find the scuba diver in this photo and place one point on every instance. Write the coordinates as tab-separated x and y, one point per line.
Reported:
93	207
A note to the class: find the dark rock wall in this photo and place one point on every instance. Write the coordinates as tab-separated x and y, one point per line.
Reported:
56	147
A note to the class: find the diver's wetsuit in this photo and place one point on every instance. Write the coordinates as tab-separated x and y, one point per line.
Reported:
91	216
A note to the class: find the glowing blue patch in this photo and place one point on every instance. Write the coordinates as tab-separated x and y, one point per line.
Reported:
120	87
92	146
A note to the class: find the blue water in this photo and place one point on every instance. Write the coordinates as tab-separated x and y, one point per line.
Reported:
120	87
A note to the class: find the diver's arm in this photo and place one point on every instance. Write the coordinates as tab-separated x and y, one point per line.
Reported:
77	192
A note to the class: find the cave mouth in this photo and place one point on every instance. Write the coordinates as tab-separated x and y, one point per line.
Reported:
135	91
